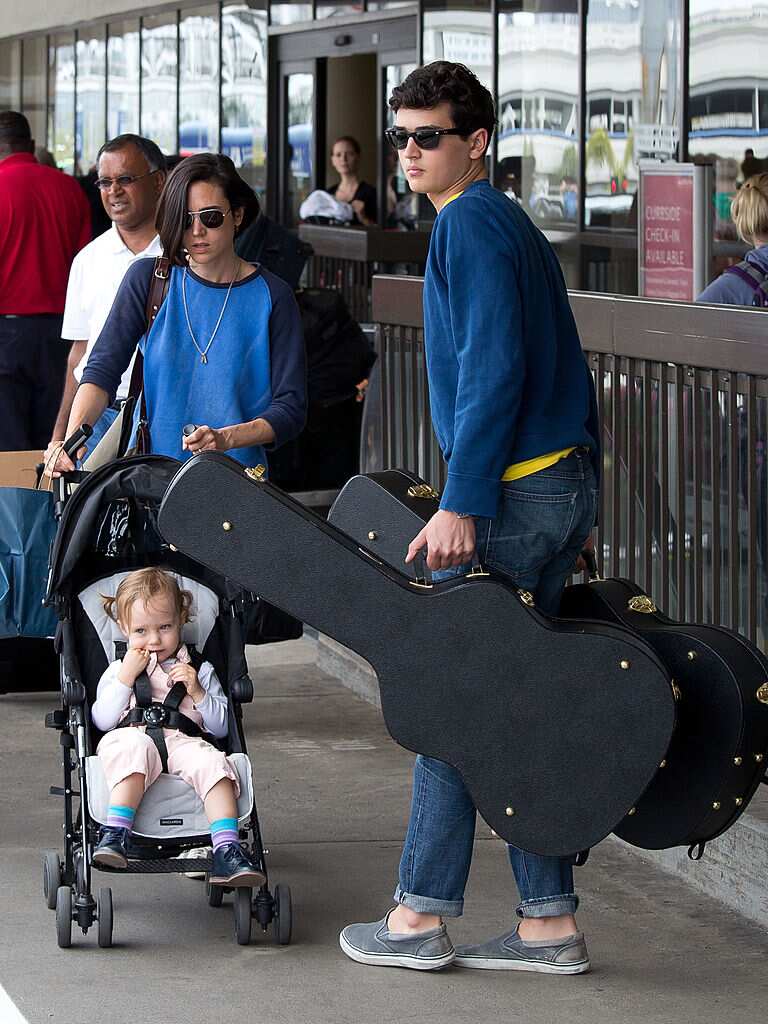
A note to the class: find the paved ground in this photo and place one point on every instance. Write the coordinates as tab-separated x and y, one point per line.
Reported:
332	790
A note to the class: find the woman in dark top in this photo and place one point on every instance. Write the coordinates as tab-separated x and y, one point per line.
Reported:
345	157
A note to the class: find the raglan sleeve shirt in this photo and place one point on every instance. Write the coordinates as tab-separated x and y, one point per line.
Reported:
482	329
286	413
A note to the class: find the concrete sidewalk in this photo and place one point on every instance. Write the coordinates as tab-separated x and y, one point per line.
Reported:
333	791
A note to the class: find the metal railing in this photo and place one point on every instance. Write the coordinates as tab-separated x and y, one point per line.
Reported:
347	259
683	398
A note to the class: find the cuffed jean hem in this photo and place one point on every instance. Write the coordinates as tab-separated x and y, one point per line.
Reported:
549	906
428	905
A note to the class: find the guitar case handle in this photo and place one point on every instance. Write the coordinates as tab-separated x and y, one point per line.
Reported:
590	561
423	573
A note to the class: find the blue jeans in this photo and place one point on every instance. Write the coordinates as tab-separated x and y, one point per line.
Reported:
535	539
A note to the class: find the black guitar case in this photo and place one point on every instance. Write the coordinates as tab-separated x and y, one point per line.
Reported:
718	752
553	757
717	756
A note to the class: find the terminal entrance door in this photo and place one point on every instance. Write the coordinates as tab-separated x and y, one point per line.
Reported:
327	81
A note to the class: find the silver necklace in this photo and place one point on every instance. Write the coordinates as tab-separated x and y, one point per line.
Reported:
204	351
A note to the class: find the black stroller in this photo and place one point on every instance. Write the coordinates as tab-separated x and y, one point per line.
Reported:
107	528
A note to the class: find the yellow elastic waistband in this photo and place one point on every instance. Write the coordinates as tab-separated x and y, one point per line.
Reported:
531	466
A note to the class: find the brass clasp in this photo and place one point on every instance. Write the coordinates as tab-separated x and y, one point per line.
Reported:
642	604
257	473
422	491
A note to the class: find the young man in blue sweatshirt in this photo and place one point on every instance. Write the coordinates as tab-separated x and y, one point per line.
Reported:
514	412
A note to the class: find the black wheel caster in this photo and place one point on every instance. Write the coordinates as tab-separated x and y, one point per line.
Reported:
243	919
64	916
51	877
215	894
104	914
79	875
283	922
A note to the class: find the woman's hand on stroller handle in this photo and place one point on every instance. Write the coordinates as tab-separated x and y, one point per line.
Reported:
59	455
204	439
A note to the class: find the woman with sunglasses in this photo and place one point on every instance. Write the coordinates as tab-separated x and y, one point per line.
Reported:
226	350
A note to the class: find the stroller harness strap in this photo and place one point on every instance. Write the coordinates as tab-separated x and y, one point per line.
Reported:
157	717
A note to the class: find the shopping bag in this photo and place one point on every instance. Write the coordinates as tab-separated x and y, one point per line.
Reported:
27	529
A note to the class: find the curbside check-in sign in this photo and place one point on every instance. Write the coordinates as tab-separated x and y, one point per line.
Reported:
675	230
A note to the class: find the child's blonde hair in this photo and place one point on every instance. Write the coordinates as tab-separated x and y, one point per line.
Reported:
145	585
749	210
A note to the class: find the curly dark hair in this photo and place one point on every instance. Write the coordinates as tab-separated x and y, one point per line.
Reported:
172	207
442	81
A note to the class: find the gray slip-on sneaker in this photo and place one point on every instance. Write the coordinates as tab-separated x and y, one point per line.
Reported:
374	944
509	953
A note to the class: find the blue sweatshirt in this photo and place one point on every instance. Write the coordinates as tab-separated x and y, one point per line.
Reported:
508	380
256	364
730	288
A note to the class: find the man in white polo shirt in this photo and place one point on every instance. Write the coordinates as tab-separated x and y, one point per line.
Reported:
131	174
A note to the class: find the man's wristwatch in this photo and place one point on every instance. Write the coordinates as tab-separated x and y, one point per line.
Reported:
463	515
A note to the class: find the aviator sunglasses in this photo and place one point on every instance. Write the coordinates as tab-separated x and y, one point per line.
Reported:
425	138
211	218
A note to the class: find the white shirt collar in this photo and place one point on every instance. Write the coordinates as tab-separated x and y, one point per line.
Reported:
118	246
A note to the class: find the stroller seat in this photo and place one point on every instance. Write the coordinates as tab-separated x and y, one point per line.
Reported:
170	809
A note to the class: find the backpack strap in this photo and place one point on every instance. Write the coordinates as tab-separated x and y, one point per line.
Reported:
158	289
754	278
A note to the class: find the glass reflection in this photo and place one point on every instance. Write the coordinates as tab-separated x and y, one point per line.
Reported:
244	91
35	58
91	84
10	75
402	204
633	75
460	30
123	78
289	13
61	100
299	170
728	105
159	65
537	148
323	10
199	81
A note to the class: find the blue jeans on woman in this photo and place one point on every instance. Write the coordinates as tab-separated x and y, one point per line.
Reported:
535	539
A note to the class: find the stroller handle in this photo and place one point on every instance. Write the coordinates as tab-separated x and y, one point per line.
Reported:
73	443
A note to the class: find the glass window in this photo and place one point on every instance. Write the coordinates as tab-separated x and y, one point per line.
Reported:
123	78
91	86
159	69
199	81
325	10
388	5
33	86
537	152
460	30
244	91
633	81
402	204
10	75
728	101
288	13
299	169
61	100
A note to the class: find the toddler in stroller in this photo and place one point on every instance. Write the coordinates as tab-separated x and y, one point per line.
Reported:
168	705
107	546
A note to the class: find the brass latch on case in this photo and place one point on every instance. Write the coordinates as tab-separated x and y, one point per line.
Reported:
642	604
422	491
526	597
762	693
257	472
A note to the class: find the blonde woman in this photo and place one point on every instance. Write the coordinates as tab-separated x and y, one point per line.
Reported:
746	284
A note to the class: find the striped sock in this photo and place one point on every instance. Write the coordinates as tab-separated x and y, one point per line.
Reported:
223	832
120	817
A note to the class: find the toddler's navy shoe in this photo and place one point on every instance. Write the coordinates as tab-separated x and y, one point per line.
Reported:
111	850
232	866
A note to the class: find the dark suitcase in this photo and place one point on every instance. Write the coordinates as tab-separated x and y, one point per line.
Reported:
384	512
717	756
453	661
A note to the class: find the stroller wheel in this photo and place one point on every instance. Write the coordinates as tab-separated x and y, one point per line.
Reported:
283	923
215	894
104	913
79	875
51	877
243	919
64	916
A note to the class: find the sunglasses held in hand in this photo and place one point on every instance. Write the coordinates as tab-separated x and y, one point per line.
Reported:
425	138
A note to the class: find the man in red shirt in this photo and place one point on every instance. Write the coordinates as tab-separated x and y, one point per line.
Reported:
44	222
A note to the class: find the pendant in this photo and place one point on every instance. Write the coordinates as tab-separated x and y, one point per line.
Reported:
203	358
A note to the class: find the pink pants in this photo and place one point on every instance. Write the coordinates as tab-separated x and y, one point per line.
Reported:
128	751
